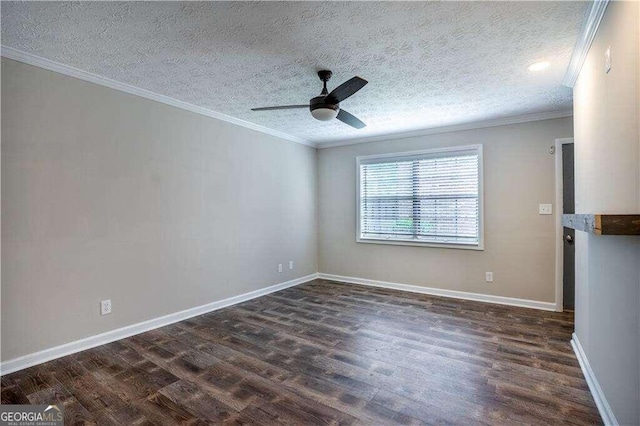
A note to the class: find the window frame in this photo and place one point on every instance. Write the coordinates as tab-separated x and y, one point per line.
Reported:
427	152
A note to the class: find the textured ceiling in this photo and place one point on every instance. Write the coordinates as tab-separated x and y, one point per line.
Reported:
428	64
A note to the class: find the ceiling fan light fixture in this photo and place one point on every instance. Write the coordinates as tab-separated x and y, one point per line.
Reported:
324	114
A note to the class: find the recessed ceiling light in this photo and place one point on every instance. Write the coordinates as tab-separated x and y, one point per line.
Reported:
539	66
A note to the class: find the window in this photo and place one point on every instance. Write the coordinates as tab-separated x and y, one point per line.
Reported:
431	198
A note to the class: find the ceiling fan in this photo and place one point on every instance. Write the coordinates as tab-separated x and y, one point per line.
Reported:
326	106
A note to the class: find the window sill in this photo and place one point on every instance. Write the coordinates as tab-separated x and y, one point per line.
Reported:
479	247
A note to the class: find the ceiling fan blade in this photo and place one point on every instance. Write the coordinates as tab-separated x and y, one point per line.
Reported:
280	107
349	119
346	89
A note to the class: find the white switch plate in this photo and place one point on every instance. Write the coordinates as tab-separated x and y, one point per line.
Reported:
489	277
279	267
607	60
545	209
105	307
291	265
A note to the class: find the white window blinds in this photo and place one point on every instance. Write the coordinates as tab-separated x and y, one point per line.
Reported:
426	197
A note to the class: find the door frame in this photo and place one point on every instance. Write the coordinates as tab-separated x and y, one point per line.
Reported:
559	227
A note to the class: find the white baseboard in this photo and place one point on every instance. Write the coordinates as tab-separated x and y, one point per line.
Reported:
45	355
596	391
546	306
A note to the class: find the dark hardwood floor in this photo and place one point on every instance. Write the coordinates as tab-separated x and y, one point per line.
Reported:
327	353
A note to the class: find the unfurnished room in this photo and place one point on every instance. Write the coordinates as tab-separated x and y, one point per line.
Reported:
320	212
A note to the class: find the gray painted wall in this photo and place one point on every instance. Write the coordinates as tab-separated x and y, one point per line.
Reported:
519	243
607	160
106	195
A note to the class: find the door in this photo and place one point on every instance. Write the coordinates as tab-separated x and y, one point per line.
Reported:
568	207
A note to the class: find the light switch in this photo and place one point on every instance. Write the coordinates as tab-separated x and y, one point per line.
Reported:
607	60
545	209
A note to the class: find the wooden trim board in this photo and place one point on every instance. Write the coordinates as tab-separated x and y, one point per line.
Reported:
603	224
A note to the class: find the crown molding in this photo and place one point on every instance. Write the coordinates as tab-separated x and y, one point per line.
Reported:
585	38
517	119
38	61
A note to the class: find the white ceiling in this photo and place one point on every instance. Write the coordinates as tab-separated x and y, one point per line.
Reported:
428	64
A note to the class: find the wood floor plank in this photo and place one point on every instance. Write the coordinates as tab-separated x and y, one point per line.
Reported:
327	353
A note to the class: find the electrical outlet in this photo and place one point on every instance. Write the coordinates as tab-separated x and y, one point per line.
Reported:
105	307
489	277
279	267
291	265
